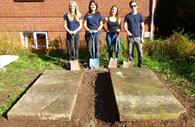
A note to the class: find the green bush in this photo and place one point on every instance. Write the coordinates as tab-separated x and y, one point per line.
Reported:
177	47
55	49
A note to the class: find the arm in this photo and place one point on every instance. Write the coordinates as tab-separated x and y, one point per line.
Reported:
126	29
85	26
119	29
142	33
100	27
66	27
79	28
104	28
101	23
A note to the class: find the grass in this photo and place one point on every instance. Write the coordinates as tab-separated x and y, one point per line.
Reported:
20	74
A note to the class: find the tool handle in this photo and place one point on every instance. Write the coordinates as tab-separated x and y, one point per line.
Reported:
73	45
93	35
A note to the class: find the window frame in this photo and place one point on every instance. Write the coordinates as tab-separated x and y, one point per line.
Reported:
25	41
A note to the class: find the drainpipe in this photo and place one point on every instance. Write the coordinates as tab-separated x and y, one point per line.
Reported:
152	20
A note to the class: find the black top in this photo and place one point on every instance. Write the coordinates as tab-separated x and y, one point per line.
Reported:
112	26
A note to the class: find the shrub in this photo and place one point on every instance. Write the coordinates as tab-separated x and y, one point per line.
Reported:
9	44
55	49
176	47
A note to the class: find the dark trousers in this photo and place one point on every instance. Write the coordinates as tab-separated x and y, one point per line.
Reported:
113	43
72	47
89	39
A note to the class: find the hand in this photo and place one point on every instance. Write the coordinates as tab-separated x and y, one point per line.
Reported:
74	32
142	40
129	34
71	32
94	31
90	31
118	30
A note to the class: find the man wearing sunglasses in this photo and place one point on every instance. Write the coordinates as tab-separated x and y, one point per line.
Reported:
134	27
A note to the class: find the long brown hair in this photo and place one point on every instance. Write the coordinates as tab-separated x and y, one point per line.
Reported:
93	1
117	13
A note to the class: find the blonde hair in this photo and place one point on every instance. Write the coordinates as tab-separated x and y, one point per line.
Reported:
77	14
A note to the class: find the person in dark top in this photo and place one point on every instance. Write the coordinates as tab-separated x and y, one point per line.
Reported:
93	23
112	31
134	27
73	24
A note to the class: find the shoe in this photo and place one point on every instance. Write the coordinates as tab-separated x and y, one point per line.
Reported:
140	65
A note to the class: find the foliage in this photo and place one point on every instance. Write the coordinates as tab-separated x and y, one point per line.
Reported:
174	58
55	49
174	14
177	47
9	44
18	76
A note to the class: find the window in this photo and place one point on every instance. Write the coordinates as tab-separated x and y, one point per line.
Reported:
35	40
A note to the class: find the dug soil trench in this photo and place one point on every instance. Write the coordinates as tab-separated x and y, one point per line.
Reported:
96	107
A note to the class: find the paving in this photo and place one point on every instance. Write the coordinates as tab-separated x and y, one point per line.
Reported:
51	97
141	95
7	59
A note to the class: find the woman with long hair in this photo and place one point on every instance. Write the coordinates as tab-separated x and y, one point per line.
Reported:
73	24
112	31
93	23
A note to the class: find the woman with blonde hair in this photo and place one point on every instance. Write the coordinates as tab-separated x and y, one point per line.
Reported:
112	32
73	24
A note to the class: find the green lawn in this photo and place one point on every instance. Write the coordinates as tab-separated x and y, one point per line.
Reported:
19	74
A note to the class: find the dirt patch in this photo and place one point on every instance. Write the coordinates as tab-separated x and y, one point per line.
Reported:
96	107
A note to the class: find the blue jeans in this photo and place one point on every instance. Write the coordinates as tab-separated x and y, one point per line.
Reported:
113	43
70	45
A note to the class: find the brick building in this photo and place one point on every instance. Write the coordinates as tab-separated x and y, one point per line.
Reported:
43	19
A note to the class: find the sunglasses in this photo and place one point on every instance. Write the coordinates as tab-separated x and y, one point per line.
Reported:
132	6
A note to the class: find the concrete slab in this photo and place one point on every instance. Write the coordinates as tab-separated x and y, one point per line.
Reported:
51	97
141	95
7	59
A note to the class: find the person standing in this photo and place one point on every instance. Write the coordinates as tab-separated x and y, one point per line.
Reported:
93	23
112	31
134	27
73	24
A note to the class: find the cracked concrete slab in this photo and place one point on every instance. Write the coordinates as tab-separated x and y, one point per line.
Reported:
51	97
141	95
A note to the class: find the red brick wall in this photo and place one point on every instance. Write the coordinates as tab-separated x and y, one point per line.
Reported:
48	15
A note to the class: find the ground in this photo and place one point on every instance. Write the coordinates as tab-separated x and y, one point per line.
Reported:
96	107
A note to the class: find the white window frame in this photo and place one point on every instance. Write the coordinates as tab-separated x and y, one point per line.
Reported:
24	39
35	39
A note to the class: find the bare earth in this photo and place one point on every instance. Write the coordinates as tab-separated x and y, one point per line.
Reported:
96	107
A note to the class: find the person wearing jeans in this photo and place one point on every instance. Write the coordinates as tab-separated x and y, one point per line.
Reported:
112	31
73	24
134	27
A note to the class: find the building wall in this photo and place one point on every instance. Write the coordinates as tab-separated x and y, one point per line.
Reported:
47	16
